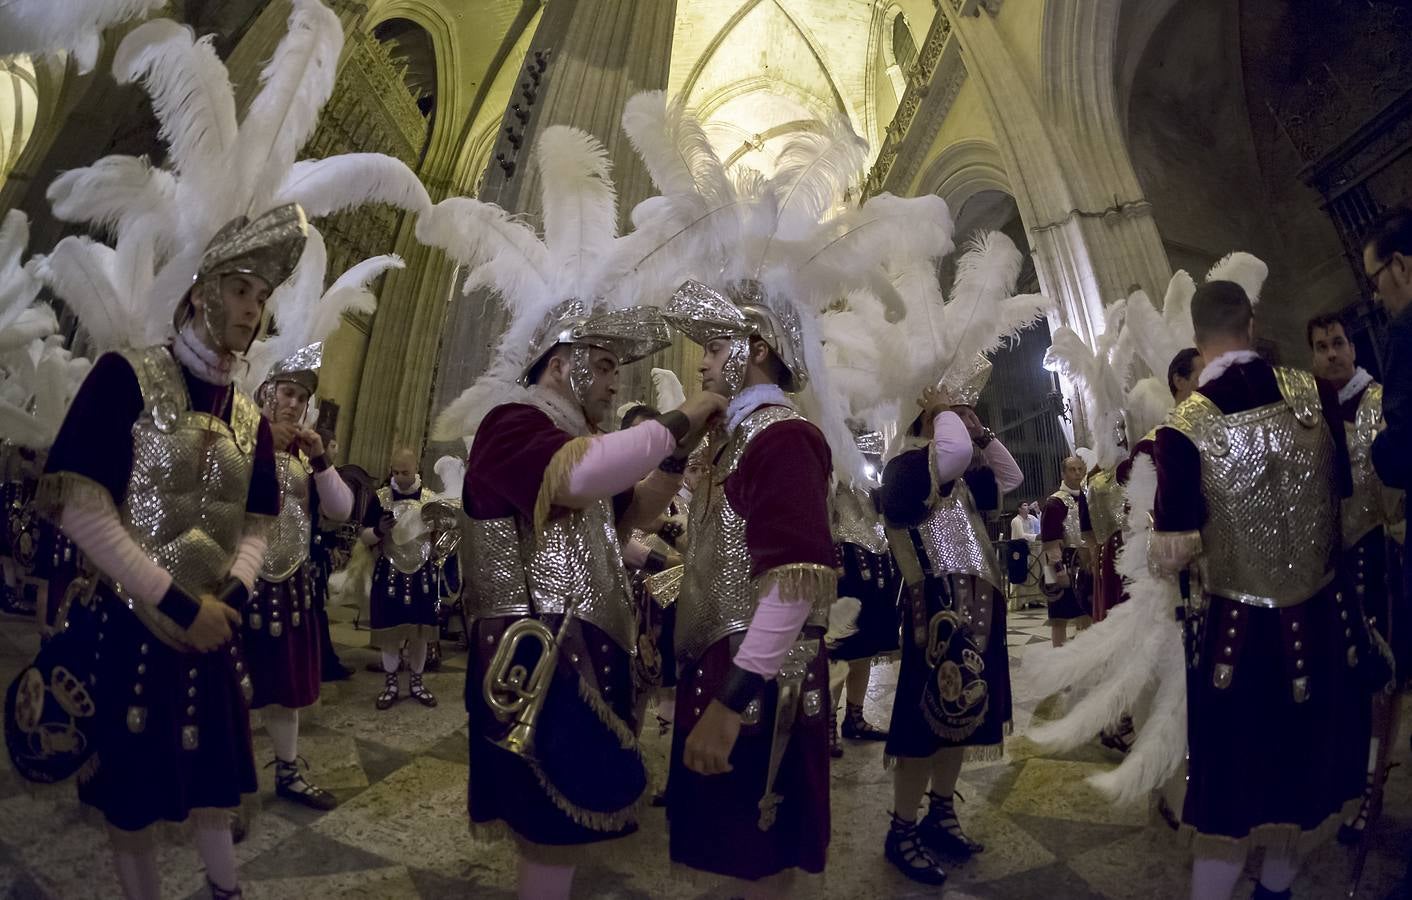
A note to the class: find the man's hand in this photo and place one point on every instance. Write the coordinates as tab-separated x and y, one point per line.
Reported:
708	747
284	434
701	410
213	624
386	524
310	443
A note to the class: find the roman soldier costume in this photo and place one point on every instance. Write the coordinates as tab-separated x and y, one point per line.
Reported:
760	529
548	499
1066	530
280	626
1281	636
165	475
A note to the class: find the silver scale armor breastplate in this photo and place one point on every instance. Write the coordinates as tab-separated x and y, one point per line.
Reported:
577	560
856	522
718	596
954	538
186	496
1107	507
1267	478
1073	535
1372	504
406	558
293	529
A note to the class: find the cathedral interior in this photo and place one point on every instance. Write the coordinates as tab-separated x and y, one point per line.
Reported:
1114	141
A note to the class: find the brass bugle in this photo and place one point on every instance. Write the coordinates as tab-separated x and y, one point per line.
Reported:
517	694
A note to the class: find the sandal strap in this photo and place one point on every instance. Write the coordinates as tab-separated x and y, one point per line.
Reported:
220	893
910	846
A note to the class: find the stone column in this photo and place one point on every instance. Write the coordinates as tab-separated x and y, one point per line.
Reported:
601	53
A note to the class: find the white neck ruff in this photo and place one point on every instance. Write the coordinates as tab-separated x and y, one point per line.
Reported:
751	399
1217	367
209	365
1358	382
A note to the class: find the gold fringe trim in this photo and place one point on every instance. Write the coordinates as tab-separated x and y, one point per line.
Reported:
556	478
1168	552
385	637
57	490
800	582
1284	839
984	753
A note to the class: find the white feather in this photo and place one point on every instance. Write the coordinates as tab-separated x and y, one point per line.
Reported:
814	172
295	85
190	90
41	27
1098	385
1245	270
506	252
667	385
580	208
675	149
336	183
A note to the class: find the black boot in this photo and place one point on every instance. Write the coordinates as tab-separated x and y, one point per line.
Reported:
941	830
905	849
291	785
856	728
1120	738
1264	893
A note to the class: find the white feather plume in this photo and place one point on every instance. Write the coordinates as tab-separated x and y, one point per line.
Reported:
1245	270
1099	386
42	27
191	94
813	173
580	208
331	185
667	386
295	85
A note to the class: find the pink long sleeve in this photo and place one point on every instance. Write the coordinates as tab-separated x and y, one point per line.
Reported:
773	630
615	462
249	556
1007	472
951	447
100	534
335	497
635	554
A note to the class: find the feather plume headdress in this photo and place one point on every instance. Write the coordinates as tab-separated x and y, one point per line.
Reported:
769	256
162	220
38	375
1098	375
552	286
41	27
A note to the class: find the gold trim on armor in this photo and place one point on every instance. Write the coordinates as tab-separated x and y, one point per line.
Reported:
57	490
800	582
1168	552
556	478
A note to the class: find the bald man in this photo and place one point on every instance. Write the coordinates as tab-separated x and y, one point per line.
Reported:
403	604
1067	534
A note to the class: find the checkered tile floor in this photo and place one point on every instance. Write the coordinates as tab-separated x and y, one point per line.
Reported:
400	829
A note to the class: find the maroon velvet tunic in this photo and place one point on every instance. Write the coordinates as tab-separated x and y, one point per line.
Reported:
512	450
1074	602
146	775
1261	764
781	489
286	669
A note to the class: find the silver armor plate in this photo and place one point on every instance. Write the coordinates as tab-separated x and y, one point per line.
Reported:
1267	478
718	596
406	558
954	537
293	528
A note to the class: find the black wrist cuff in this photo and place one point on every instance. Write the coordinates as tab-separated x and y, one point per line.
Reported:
739	689
319	462
179	606
234	593
673	465
677	423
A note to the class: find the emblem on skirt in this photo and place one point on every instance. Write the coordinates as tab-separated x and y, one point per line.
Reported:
956	696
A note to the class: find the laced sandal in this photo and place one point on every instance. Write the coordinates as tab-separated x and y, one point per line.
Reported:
941	830
291	784
907	852
835	748
389	693
433	657
857	728
419	691
664	726
220	893
1264	893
